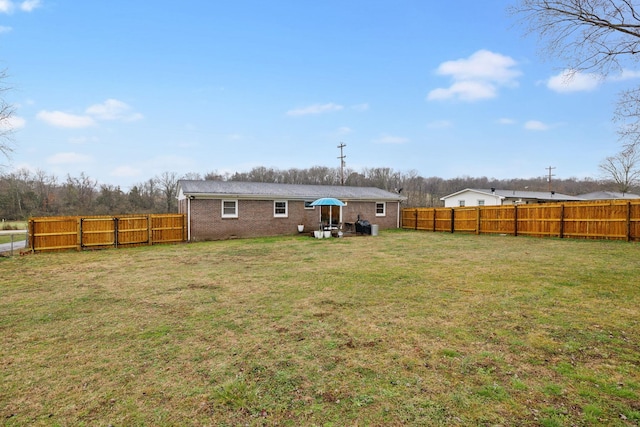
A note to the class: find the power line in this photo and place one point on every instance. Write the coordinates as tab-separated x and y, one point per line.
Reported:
550	168
342	162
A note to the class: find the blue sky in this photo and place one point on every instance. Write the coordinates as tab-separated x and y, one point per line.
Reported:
125	90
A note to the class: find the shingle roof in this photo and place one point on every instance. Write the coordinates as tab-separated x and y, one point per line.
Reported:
289	191
607	195
540	195
515	194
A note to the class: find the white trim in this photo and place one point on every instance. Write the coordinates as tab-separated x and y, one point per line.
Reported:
286	209
384	209
222	214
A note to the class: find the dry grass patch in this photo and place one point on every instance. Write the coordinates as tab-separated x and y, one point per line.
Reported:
403	328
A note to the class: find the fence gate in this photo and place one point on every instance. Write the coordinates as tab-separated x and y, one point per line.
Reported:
97	232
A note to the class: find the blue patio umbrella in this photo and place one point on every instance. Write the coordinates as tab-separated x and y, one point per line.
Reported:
327	201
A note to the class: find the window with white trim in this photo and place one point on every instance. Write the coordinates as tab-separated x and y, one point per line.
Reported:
280	209
480	202
461	203
381	208
229	209
307	204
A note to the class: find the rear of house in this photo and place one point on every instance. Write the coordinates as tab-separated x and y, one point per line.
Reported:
218	210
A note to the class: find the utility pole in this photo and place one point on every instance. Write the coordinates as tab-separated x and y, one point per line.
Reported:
550	168
342	157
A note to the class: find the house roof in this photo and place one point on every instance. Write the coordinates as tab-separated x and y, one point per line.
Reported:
607	195
266	190
516	194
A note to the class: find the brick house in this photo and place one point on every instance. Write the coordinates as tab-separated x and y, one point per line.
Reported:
218	210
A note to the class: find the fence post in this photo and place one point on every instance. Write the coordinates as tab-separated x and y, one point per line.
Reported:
149	230
32	239
415	214
434	220
478	220
515	220
79	240
453	219
116	221
628	221
562	220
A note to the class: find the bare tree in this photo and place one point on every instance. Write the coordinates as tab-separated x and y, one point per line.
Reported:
623	168
6	125
168	182
596	35
79	194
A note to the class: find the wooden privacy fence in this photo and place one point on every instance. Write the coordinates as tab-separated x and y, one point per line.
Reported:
616	220
99	232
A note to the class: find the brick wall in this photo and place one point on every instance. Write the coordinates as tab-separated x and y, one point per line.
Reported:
256	218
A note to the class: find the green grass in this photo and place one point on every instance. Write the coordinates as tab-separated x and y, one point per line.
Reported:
12	225
405	328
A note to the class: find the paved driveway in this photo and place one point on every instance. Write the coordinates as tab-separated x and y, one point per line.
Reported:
6	247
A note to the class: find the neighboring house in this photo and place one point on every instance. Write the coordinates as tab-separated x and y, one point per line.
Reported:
493	197
229	209
608	195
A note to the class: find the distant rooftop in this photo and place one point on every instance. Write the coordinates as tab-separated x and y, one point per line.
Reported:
608	195
516	194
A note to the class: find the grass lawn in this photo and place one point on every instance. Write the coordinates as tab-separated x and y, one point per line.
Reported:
406	328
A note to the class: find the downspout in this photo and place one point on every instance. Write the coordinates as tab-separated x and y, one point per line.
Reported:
188	219
398	216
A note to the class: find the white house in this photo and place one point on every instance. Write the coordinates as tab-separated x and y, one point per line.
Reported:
608	195
493	197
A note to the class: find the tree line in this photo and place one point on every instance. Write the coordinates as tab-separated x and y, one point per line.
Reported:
24	193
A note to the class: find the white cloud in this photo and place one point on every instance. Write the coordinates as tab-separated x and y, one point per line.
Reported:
8	6
315	109
535	125
466	91
125	171
12	123
390	139
506	121
626	74
65	120
112	109
477	77
4	29
574	81
68	158
30	5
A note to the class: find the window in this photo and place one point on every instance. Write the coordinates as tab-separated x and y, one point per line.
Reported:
480	202
381	209
461	203
229	209
307	204
280	209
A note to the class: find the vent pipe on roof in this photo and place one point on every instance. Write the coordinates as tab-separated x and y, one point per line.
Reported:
493	190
